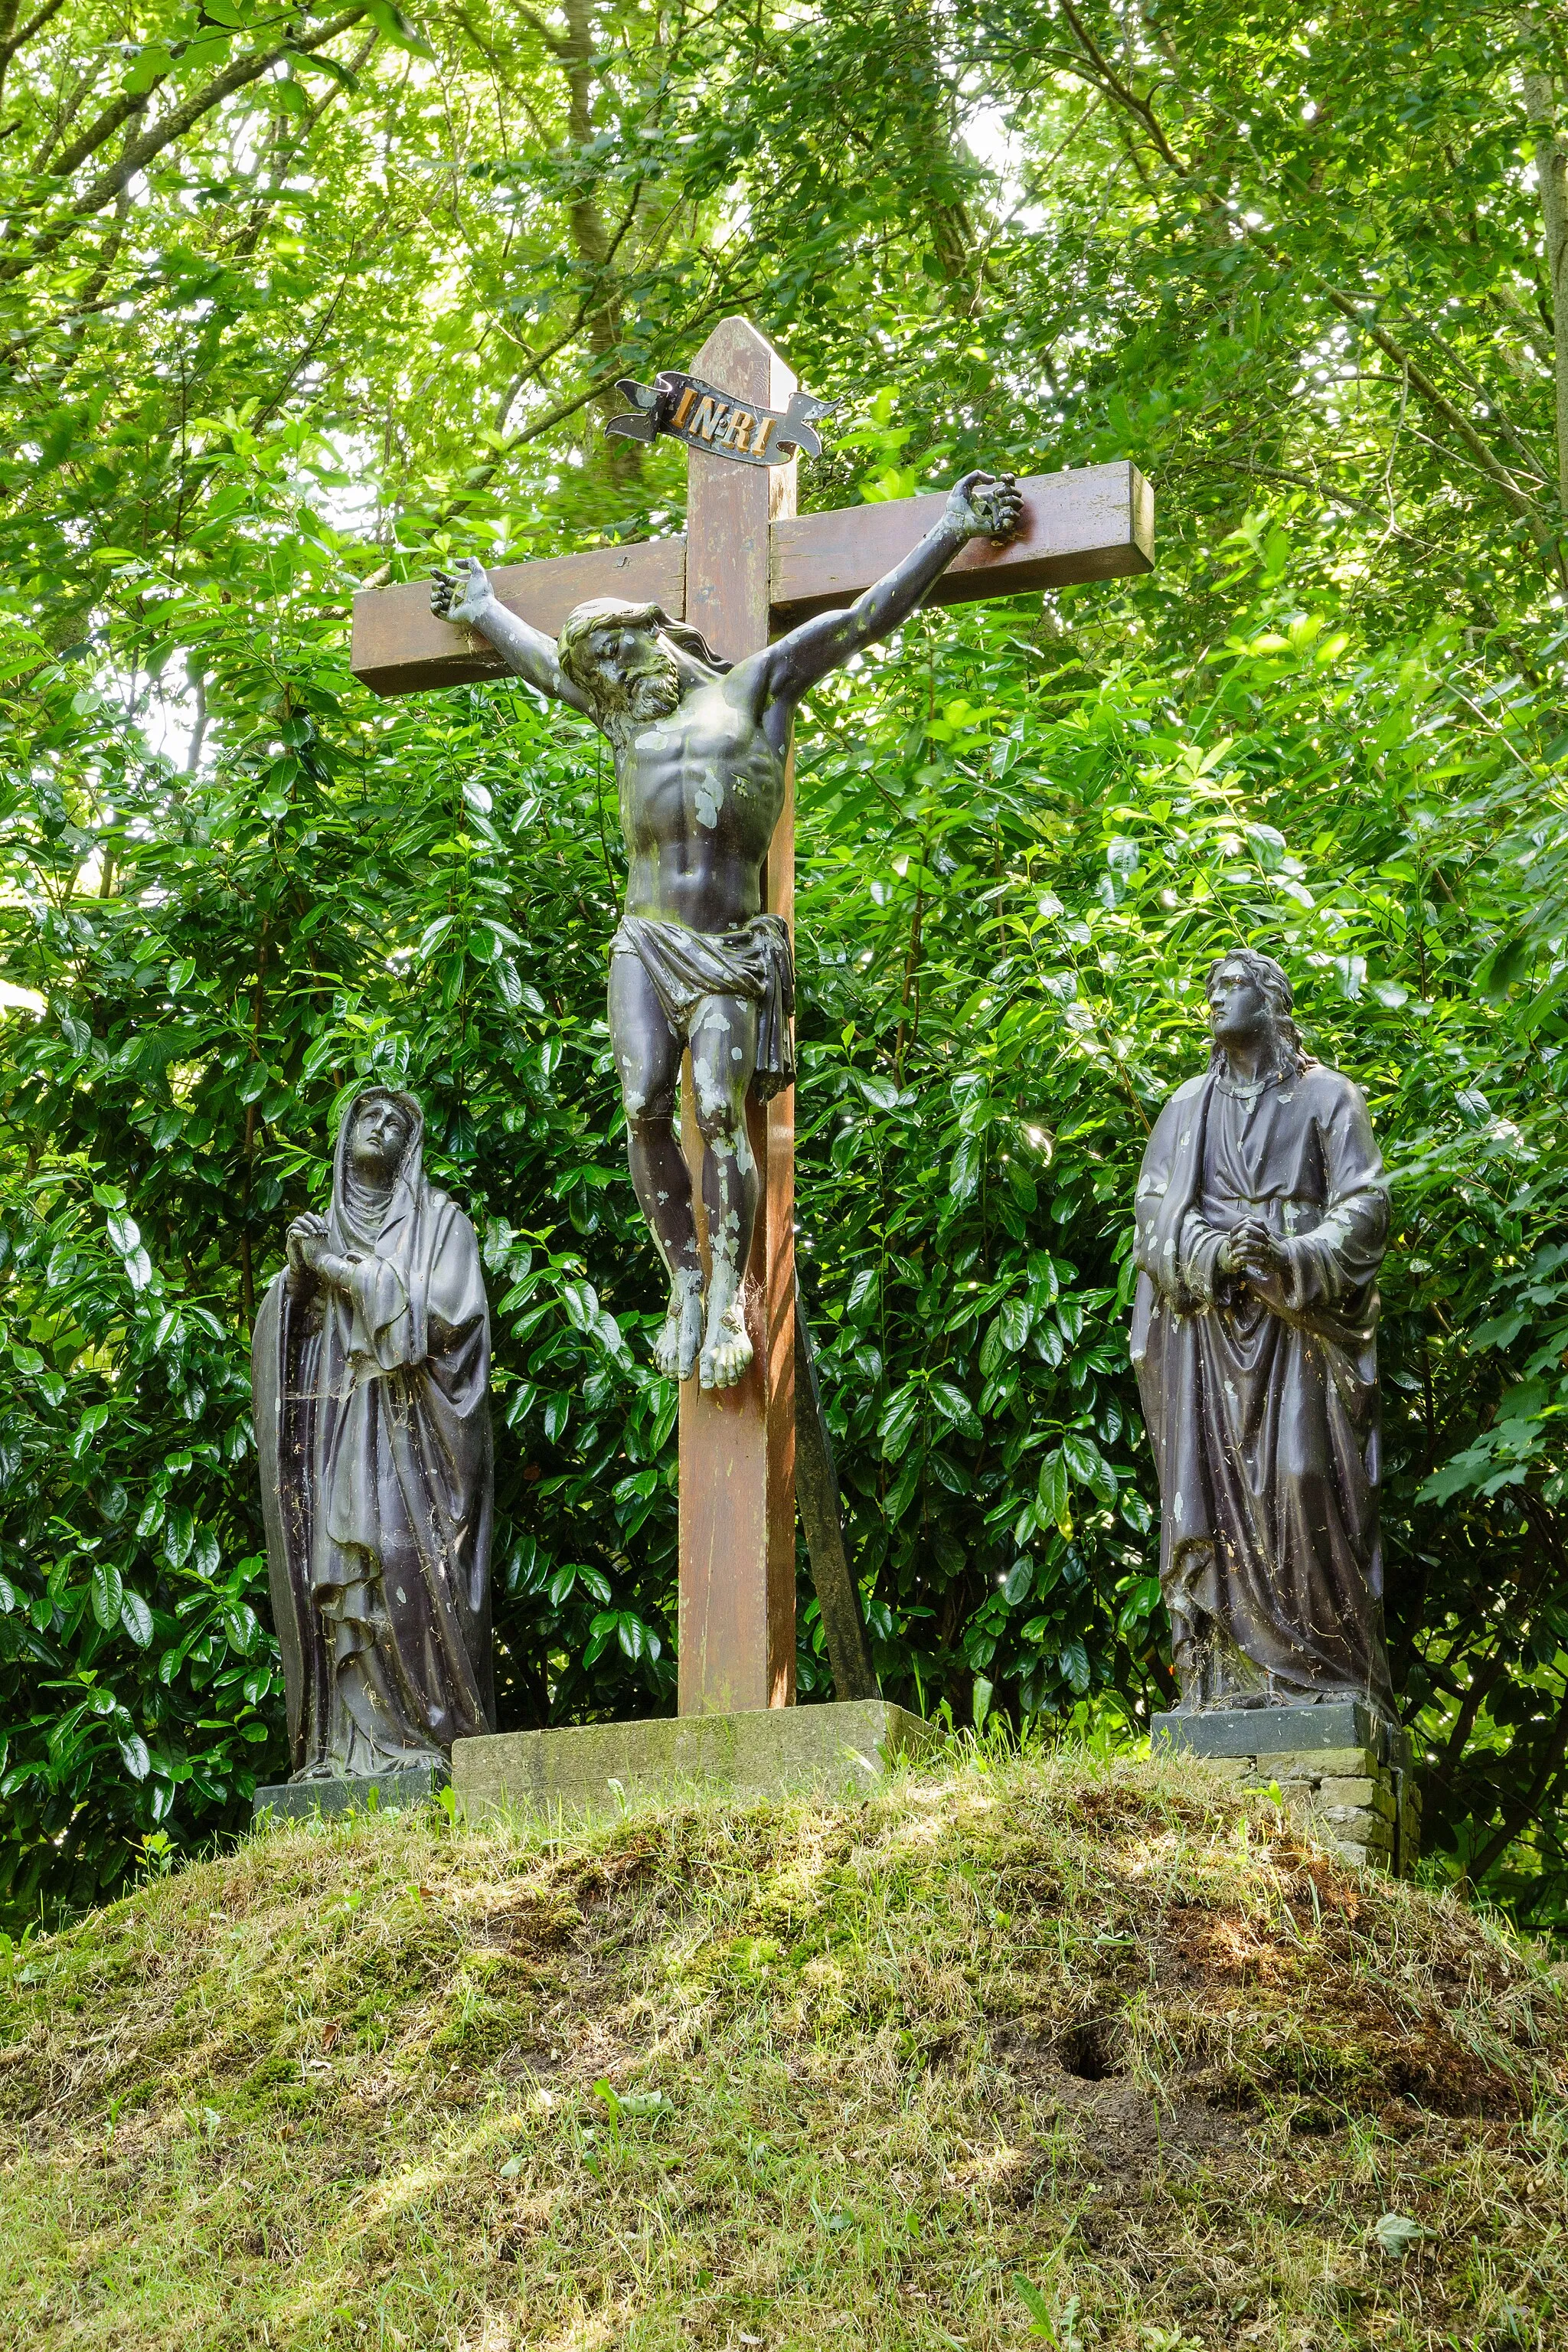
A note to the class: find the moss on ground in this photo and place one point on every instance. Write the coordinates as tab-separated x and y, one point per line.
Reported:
1094	2052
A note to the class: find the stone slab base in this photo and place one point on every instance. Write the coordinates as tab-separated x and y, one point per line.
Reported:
295	1800
1343	1763
597	1767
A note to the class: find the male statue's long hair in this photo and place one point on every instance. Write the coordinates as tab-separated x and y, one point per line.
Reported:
1274	980
583	619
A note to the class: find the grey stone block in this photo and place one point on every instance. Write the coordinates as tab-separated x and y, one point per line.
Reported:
296	1800
1358	1822
1263	1731
1318	1764
1357	1789
598	1767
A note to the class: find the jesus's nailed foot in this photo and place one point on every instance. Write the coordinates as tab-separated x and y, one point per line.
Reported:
728	1351
681	1333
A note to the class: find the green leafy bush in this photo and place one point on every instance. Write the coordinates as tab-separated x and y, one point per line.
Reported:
349	312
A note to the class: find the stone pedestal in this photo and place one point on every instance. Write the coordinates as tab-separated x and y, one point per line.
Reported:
296	1800
596	1767
1343	1762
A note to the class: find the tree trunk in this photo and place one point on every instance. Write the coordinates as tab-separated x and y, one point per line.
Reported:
590	232
1551	172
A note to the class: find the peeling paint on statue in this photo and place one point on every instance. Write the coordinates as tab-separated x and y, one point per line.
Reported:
708	800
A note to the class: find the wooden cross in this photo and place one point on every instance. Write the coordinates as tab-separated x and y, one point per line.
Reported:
748	566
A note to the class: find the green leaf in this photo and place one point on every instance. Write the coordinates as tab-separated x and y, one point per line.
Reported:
1055	1506
108	1590
964	1174
896	1423
394	27
1041	2315
1073	1661
1398	2236
1019	1583
93	1420
318	61
136	1619
1136	1511
955	1408
1087	1465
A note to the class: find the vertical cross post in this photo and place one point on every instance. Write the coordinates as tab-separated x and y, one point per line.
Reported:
737	1445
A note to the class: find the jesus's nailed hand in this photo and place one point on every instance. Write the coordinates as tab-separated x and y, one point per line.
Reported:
986	506
461	595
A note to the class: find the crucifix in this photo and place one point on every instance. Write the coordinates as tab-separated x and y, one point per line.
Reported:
691	655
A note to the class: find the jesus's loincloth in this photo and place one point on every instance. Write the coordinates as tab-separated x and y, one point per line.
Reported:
754	962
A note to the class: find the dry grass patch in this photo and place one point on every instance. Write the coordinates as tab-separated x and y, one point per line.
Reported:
1097	2052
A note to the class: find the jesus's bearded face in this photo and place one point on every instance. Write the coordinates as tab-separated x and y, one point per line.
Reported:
634	674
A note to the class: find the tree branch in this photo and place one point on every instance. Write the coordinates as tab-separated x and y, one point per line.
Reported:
139	152
1516	1816
1551	176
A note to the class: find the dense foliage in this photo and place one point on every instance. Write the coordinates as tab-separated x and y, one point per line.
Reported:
294	301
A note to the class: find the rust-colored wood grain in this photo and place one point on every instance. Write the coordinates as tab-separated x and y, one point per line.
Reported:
737	1446
400	647
1095	524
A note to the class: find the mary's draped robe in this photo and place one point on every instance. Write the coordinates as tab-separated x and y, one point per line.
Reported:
1265	1421
372	1428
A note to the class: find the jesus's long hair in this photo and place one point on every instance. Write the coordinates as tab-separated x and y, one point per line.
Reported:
583	619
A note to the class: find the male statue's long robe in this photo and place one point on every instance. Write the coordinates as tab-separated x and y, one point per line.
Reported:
374	1432
1265	1422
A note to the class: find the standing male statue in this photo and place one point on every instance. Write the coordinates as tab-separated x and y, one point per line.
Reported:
701	748
371	1363
1262	1216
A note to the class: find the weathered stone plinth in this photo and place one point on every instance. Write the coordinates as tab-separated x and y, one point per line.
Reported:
600	1767
1343	1762
296	1800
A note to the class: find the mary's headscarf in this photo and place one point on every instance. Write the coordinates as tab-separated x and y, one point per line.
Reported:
359	1210
377	1229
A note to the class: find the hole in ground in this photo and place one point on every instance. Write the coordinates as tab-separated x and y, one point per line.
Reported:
1092	2050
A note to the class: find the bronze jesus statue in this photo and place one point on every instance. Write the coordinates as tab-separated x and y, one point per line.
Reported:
700	749
1262	1216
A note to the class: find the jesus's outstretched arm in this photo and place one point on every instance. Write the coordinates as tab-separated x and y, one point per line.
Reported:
980	506
466	598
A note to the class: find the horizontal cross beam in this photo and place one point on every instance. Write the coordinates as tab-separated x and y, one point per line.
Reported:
1093	523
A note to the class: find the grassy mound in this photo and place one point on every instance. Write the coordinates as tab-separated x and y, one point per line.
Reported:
1095	2053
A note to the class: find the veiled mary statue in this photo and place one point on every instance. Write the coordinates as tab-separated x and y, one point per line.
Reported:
371	1358
1262	1216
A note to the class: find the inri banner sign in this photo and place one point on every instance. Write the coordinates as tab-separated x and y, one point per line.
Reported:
705	417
